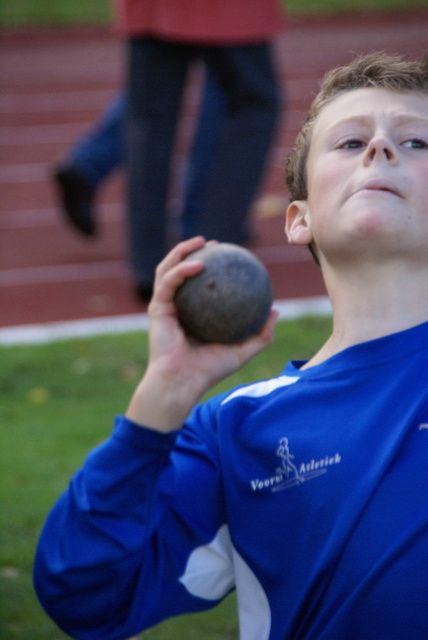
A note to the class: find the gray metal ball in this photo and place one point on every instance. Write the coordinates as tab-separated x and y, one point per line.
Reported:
229	300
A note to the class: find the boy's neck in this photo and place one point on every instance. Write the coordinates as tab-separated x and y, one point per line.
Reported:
373	302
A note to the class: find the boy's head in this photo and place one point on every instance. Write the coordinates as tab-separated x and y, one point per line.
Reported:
378	70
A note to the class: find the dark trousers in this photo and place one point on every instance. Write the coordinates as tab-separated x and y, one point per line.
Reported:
157	75
101	150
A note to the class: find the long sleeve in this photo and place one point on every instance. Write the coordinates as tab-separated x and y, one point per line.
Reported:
116	543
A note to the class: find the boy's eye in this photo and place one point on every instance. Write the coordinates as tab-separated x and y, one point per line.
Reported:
353	143
416	143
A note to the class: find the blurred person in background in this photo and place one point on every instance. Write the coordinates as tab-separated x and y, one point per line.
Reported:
101	150
234	40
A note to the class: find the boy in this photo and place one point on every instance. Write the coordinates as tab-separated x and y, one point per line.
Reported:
307	492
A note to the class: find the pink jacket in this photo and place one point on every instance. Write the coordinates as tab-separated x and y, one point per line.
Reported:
211	22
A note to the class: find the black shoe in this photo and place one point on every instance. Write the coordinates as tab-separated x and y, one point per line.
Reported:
144	291
76	197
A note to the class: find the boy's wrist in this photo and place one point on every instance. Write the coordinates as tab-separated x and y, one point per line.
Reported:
161	405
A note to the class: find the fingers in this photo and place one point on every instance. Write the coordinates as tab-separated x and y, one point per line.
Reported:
240	353
172	271
263	338
229	358
178	253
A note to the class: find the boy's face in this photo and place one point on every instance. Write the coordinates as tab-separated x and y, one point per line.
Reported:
367	176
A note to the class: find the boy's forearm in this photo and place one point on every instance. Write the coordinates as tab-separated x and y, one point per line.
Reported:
162	405
85	563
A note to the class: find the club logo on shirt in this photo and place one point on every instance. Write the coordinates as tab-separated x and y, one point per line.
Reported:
289	474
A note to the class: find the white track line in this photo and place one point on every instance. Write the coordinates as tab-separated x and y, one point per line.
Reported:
49	216
43	134
54	102
70	330
62	273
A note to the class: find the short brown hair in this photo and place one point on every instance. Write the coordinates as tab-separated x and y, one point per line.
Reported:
378	70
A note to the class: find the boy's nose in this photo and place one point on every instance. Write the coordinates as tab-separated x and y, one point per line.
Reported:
380	147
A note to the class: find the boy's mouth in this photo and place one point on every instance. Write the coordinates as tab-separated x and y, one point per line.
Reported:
380	185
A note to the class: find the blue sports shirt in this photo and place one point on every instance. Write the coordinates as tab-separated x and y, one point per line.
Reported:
307	493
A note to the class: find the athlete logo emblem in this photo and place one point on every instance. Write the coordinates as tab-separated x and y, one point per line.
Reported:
289	474
288	467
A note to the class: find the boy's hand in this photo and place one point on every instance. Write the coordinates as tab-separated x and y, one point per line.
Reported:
181	370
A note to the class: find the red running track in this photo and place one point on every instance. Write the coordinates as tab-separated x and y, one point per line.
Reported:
53	85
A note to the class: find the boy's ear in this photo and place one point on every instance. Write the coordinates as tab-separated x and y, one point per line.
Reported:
298	223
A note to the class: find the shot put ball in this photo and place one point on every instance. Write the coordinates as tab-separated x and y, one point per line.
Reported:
229	300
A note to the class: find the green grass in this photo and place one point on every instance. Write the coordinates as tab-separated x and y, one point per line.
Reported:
98	12
297	7
56	402
15	13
